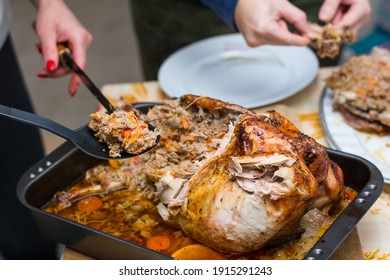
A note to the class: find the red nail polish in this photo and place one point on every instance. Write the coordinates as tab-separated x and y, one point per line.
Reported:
50	65
72	93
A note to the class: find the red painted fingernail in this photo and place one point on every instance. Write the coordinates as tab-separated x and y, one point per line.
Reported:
39	48
73	92
41	75
50	65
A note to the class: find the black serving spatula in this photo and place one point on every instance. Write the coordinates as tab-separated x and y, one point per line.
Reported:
83	137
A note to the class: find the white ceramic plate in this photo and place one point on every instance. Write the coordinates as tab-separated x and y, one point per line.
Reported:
225	68
343	137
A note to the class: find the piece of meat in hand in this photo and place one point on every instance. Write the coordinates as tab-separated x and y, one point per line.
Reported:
328	40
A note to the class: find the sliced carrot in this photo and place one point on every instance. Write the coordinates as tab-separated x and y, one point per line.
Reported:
184	123
95	225
134	136
372	85
133	118
125	133
114	164
94	116
158	243
89	204
189	138
361	91
348	194
197	252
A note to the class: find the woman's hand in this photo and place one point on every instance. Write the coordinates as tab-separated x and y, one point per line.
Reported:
352	13
265	22
55	23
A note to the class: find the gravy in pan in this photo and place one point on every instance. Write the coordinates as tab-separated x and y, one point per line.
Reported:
132	215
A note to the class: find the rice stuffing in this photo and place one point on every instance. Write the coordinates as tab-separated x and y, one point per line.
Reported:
122	131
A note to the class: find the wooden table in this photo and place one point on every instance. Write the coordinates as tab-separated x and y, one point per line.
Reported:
301	109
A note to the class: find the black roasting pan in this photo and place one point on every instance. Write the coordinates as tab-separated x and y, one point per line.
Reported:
67	165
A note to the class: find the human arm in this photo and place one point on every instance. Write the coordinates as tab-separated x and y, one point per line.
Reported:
55	22
224	9
352	13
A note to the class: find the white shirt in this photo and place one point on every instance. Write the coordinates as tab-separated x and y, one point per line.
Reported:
5	20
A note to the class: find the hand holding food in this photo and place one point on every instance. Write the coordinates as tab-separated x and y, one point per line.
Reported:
264	22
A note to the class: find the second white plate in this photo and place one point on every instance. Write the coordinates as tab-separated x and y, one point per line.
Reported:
343	137
225	68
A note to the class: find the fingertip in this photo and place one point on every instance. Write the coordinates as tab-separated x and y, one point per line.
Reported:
72	91
73	85
328	11
297	40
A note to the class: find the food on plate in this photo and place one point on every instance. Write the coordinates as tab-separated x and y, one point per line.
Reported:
122	131
221	176
328	40
361	91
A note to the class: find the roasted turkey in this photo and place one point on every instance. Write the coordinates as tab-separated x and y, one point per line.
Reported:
255	188
230	178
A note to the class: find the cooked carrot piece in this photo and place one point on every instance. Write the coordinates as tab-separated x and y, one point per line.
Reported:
95	225
89	204
184	123
197	252
189	138
134	136
158	243
94	116
114	164
372	85
126	132
361	91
